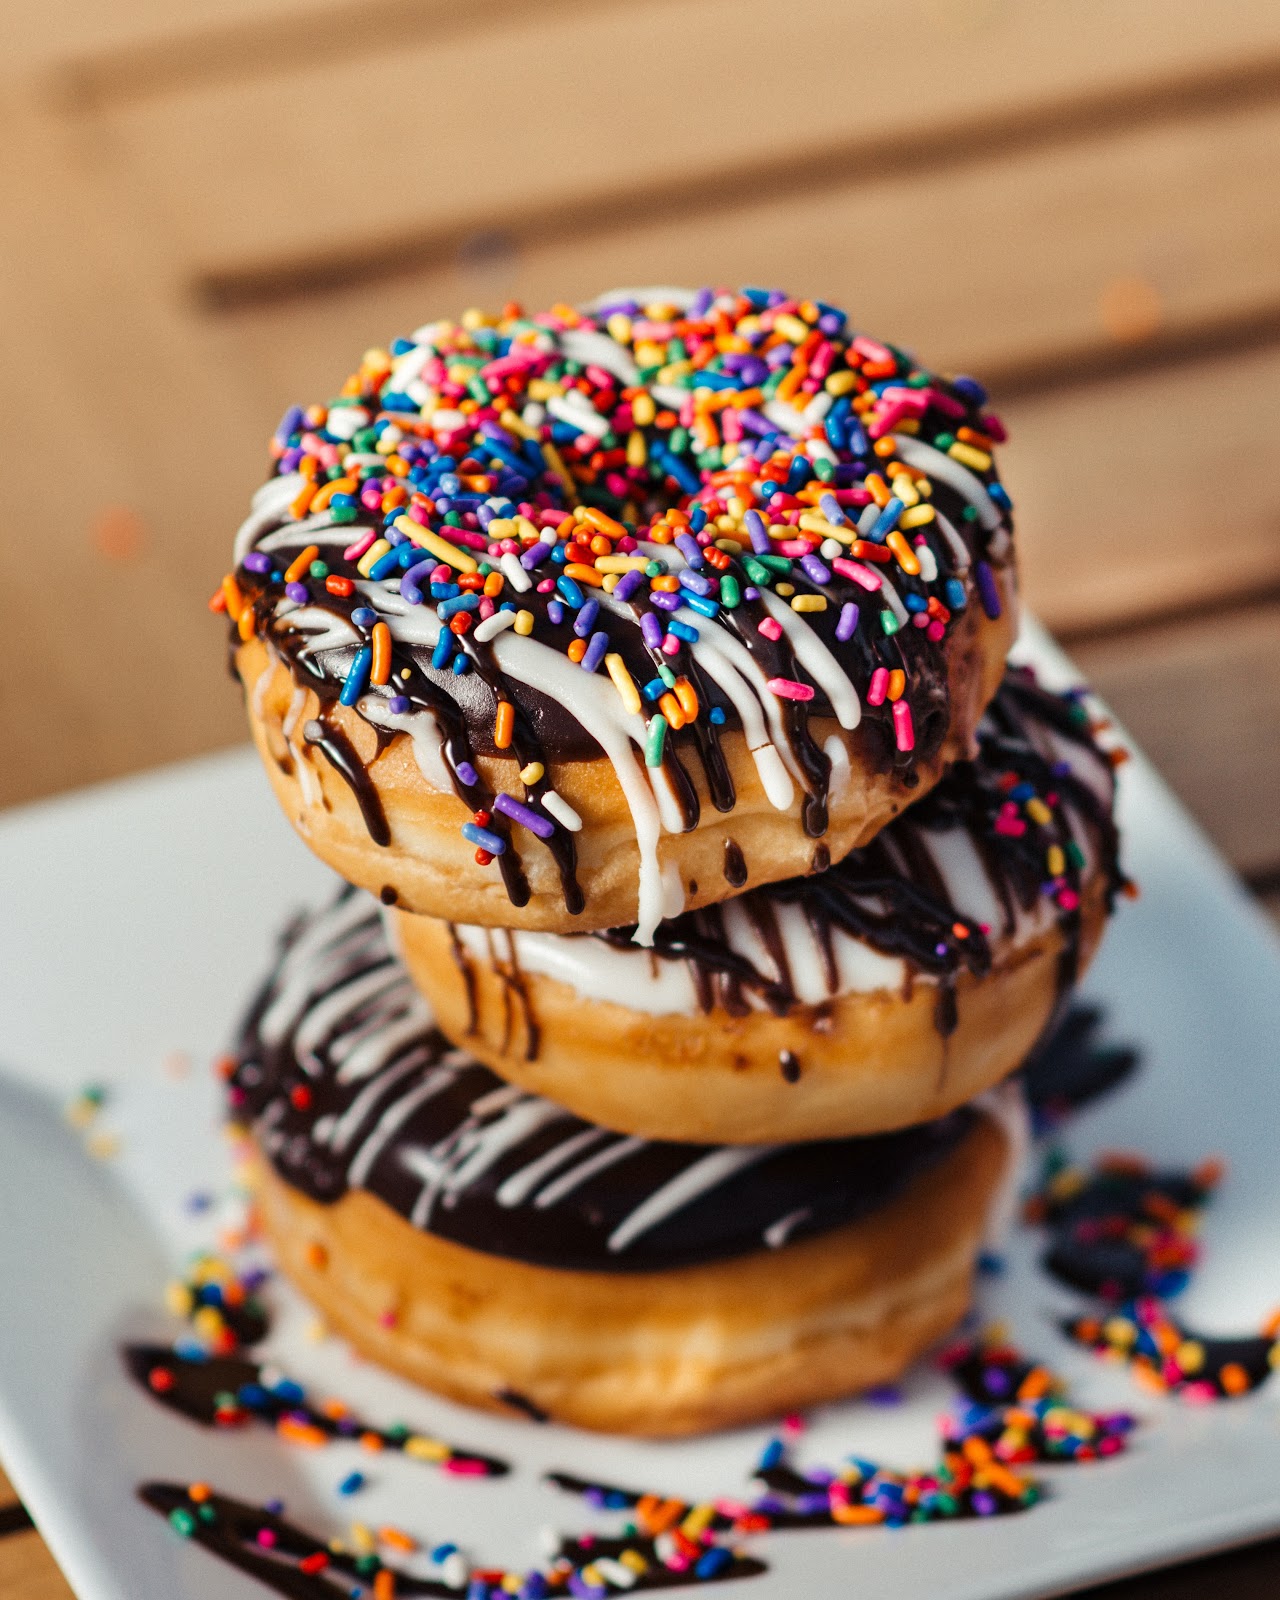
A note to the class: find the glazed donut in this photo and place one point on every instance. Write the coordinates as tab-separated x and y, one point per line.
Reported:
897	984
492	1246
540	614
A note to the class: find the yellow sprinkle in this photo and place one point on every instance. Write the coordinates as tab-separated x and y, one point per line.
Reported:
103	1146
376	551
730	547
1055	860
840	382
620	563
540	389
791	328
697	1520
905	490
179	1299
726	523
917	517
362	1536
637	450
513	422
623	682
643	410
808	602
1038	811
450	554
524	622
532	772
619	326
907	425
421	1448
634	1560
611	581
502	528
674	370
785	589
557	466
525	529
815	522
317	1331
979	460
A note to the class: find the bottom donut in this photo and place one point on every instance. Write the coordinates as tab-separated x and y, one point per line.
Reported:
493	1247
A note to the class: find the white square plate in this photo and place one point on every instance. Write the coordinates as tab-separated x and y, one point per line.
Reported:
135	919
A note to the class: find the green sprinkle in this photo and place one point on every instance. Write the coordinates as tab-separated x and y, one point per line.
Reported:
484	569
364	441
781	564
668	677
453	519
206	1513
730	593
1075	855
656	742
181	1521
655	569
679	441
970	514
342	513
758	574
319	569
478	389
889	622
826	470
944	441
918	380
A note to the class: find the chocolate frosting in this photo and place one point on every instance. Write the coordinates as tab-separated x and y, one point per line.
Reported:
348	1085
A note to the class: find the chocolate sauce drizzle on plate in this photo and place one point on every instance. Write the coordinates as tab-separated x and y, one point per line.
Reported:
348	1085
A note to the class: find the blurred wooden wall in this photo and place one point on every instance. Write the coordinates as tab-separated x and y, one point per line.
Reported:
208	210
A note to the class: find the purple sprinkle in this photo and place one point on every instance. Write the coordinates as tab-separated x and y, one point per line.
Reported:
651	630
555	612
535	821
831	510
468	777
817	570
534	554
689	548
751	592
984	1504
988	591
758	533
274	1508
693	581
665	601
586	618
595	651
255	561
848	623
627	584
399	704
298	592
701	304
416	575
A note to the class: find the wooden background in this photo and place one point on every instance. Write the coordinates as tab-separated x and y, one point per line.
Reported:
209	209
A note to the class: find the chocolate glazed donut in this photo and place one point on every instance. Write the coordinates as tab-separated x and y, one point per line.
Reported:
891	987
540	662
485	1242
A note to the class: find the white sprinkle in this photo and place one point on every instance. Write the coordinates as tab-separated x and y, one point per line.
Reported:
562	811
514	573
492	626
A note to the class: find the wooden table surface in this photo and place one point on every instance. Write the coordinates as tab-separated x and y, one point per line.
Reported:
211	208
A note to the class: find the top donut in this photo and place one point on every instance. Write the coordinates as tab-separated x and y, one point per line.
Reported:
548	621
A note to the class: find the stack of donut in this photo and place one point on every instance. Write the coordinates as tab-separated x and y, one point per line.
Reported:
642	666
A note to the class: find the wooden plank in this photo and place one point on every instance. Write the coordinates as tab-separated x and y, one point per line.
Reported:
1202	698
1150	493
1038	258
561	110
29	1572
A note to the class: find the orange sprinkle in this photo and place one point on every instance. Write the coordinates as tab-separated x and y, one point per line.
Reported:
504	719
493	585
577	649
397	1539
907	558
897	683
672	711
384	1584
380	672
877	487
587	575
247	623
665	584
218	600
856	1514
603	522
1233	1378
688	698
301	503
300	563
199	1492
303	1433
372	1442
232	599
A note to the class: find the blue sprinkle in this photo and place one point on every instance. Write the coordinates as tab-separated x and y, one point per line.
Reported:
357	677
887	521
566	587
713	1563
1000	495
705	607
385	565
683	630
915	602
364	617
289	1391
353	1482
716	715
444	649
461	665
801	472
469	601
654	689
444	591
697	519
971	390
954	591
483	839
771	1455
399	704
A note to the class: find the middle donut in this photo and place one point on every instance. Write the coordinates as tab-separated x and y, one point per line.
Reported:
895	985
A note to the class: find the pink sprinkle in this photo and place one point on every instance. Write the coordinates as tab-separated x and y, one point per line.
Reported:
442	572
267	1537
1199	1394
771	628
353	552
670	645
878	687
546	586
935	630
1012	827
1068	899
903	730
487	608
796	547
789	689
857	572
462	1468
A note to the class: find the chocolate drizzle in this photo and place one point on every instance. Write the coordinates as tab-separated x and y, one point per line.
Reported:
1039	783
349	1086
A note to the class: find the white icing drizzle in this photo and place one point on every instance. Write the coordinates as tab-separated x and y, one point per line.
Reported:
949	471
713	1169
816	660
423	732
